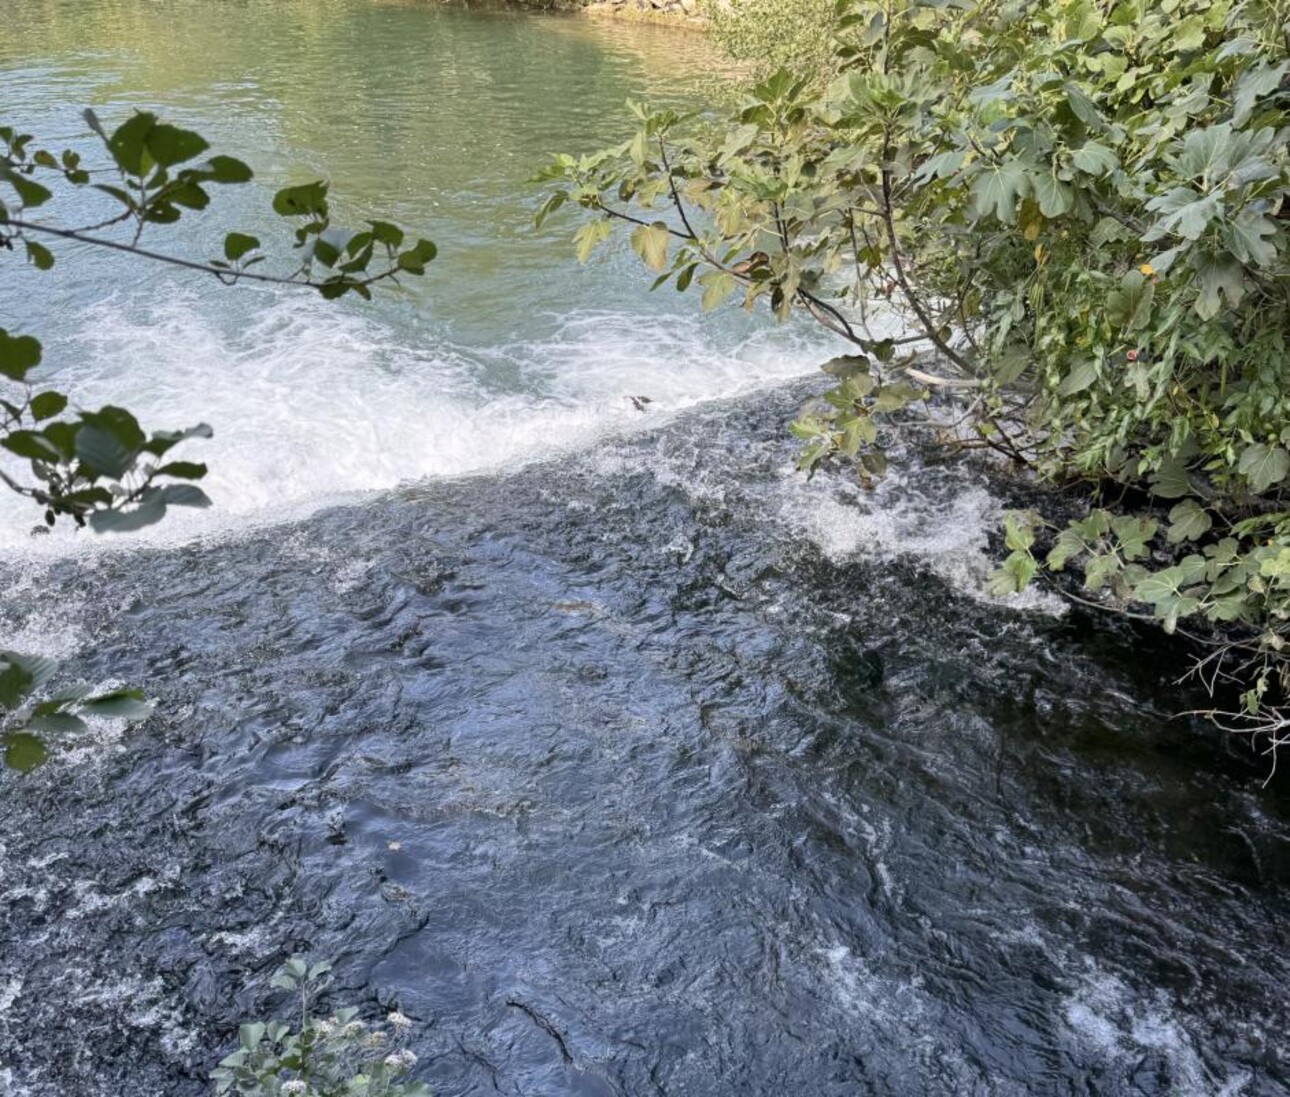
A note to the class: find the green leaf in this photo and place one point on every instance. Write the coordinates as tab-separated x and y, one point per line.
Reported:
170	145
1133	533
1081	376
1170	480
151	509
122	704
1264	465
249	1036
997	188
1019	533
1068	545
847	366
1188	521
1100	570
589	236
38	255
164	440
185	495
650	243
1184	212
109	442
1129	304
1055	198
237	244
308	199
414	260
1013	576
46	405
1218	278
183	470
1095	159
128	144
390	235
554	201
32	445
30	193
717	286
16	682
23	751
19	354
223	170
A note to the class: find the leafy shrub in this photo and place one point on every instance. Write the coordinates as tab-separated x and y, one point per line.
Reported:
1078	212
334	1056
773	34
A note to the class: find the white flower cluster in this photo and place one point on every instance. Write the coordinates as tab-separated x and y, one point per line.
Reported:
401	1060
399	1020
294	1088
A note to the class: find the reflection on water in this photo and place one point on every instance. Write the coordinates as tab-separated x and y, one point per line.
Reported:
432	116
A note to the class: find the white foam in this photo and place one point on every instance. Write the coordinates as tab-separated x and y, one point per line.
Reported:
947	527
311	403
1105	1017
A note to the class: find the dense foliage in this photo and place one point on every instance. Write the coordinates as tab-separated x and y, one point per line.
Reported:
99	467
338	1055
774	34
1072	218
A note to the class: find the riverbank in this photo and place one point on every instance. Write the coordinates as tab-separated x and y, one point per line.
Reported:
681	14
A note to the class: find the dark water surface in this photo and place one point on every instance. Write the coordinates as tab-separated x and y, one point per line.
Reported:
691	796
631	763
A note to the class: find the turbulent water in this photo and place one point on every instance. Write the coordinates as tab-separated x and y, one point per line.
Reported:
615	754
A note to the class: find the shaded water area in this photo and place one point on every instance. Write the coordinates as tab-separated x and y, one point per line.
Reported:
621	758
681	764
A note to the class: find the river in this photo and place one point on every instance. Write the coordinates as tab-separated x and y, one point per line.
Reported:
620	757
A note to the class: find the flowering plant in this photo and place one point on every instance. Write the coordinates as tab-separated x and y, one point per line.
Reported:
338	1055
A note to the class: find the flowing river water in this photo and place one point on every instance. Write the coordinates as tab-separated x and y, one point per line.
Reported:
618	756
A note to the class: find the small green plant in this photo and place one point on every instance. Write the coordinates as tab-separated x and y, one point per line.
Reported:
334	1056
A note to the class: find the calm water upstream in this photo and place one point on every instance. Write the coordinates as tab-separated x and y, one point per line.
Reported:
616	755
